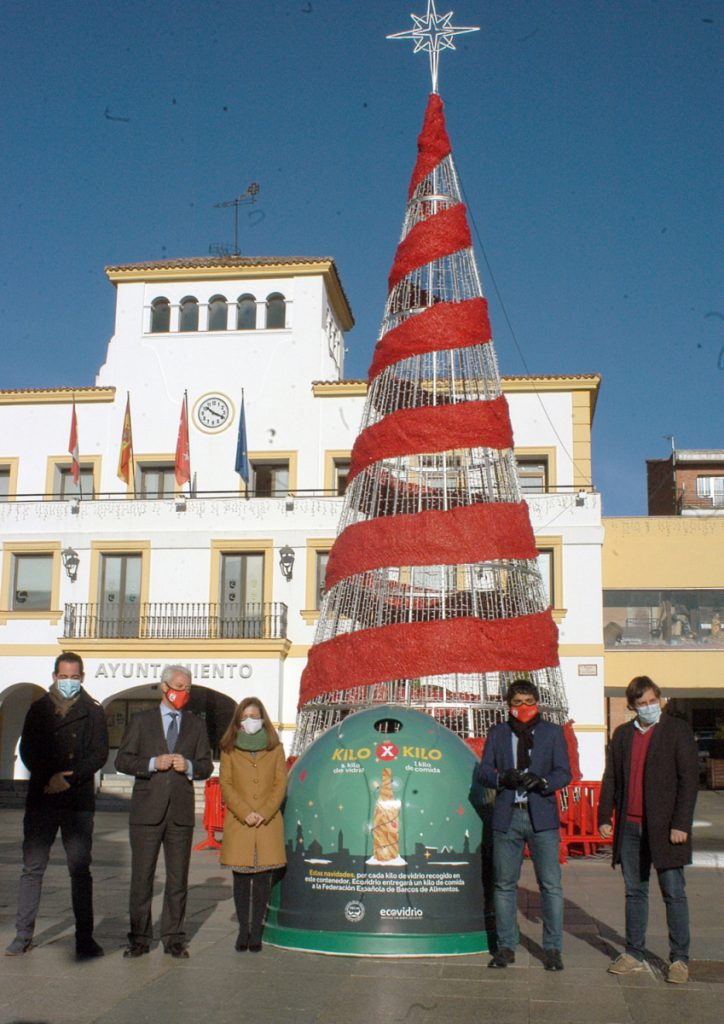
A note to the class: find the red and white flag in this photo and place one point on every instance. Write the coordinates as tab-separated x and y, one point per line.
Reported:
182	465
73	446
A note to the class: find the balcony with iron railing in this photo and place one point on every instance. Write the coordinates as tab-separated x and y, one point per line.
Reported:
687	501
172	620
123	498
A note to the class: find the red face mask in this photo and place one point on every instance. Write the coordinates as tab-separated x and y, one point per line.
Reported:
524	712
178	698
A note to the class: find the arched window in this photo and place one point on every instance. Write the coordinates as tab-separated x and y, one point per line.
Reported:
276	310
217	313
160	316
189	315
246	313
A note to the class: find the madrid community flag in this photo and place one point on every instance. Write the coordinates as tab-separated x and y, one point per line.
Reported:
242	451
73	446
125	457
182	465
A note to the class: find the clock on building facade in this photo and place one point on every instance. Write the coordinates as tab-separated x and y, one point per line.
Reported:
213	412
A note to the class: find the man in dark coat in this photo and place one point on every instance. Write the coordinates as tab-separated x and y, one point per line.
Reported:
651	781
526	760
63	744
166	749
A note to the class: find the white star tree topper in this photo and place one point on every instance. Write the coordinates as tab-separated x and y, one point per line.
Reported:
433	33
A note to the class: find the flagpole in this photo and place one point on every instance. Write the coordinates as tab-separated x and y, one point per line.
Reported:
243	413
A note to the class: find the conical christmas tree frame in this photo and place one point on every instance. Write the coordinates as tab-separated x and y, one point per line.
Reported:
433	594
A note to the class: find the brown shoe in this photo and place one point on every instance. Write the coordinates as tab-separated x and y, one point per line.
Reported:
678	973
625	964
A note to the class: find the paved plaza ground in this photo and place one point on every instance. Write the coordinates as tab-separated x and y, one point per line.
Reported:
278	986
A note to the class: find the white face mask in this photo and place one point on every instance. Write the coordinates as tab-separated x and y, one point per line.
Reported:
650	714
252	725
69	688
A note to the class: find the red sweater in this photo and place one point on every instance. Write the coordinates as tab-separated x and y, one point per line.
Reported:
639	750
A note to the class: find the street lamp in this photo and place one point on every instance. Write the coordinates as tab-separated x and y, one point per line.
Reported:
71	561
286	561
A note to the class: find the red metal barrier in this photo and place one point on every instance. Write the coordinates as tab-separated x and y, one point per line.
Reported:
214	814
578	806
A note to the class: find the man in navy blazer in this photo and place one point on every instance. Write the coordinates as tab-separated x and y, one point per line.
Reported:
526	760
166	749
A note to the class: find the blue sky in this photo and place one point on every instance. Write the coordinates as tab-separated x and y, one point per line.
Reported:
587	135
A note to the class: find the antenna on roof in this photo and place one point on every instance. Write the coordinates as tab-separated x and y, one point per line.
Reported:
246	197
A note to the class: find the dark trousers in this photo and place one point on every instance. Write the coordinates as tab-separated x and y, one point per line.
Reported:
146	843
251	896
40	827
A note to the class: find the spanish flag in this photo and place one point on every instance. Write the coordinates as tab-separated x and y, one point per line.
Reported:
125	457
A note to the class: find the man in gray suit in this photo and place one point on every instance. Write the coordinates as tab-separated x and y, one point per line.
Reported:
166	749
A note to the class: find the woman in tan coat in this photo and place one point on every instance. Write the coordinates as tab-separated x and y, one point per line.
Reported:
253	786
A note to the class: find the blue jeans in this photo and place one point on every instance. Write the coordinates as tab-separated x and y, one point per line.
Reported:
40	827
508	848
636	866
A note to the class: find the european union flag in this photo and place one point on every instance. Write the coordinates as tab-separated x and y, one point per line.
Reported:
242	451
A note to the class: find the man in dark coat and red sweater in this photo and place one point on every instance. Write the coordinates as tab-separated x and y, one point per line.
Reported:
651	781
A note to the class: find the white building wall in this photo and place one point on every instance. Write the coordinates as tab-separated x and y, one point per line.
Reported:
544	420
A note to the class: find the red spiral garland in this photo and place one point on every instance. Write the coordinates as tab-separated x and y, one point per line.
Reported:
444	326
440	235
473	533
413	649
433	143
436	428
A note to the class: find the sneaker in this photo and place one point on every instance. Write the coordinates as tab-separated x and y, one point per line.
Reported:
552	960
19	946
503	957
678	973
625	964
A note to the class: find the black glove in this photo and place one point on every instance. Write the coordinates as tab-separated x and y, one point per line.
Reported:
509	779
530	782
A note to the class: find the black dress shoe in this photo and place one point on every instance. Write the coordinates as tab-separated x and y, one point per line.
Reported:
134	949
552	960
177	950
502	958
242	943
88	949
255	947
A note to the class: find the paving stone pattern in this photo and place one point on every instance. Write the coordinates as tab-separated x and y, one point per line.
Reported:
278	986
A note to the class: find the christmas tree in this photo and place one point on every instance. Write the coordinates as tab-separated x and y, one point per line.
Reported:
433	594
